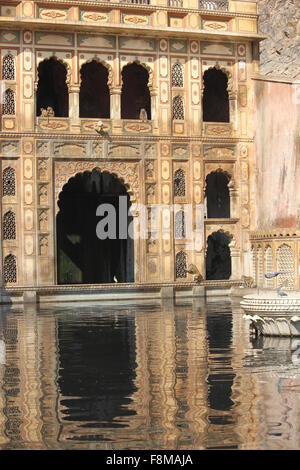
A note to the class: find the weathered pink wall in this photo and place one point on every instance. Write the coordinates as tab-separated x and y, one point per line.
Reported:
277	155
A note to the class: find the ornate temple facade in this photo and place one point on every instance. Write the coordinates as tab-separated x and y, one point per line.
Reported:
170	81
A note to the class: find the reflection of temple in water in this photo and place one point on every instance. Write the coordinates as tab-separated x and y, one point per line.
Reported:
178	384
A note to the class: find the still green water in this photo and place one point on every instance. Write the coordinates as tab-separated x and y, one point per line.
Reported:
113	377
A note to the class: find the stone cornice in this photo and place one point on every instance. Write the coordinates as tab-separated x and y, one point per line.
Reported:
131	6
126	137
277	233
149	31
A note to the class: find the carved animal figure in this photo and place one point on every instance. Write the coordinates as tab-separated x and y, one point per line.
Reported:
192	269
248	281
143	115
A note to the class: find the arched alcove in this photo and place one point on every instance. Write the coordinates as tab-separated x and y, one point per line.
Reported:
94	97
82	257
135	92
52	89
215	101
217	195
218	258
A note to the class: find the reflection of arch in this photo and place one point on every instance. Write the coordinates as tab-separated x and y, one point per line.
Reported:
218	257
286	263
10	269
181	265
52	86
9	182
217	194
135	93
215	95
94	96
83	256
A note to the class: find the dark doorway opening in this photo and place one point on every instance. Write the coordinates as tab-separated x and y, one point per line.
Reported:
215	96
217	195
52	90
94	98
83	258
218	259
135	92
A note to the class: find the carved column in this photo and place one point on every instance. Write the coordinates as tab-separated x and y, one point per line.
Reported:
74	106
234	203
233	110
235	261
115	103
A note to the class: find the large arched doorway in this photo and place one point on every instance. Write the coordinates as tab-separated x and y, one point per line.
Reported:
83	258
218	258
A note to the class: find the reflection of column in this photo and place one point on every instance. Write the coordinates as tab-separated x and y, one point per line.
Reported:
3	438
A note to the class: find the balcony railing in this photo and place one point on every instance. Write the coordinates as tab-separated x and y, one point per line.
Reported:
213	5
176	3
138	2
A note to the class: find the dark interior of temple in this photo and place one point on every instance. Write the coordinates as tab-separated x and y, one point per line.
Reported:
218	259
94	97
215	96
52	88
135	92
81	256
217	195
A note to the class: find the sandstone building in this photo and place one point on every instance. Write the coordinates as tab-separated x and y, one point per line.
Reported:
172	83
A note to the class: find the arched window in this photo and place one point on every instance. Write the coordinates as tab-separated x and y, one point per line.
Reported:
52	89
181	265
217	195
135	94
285	264
9	182
215	96
9	226
269	267
94	97
9	105
8	68
10	269
260	267
179	225
179	183
178	108
218	258
253	265
177	75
